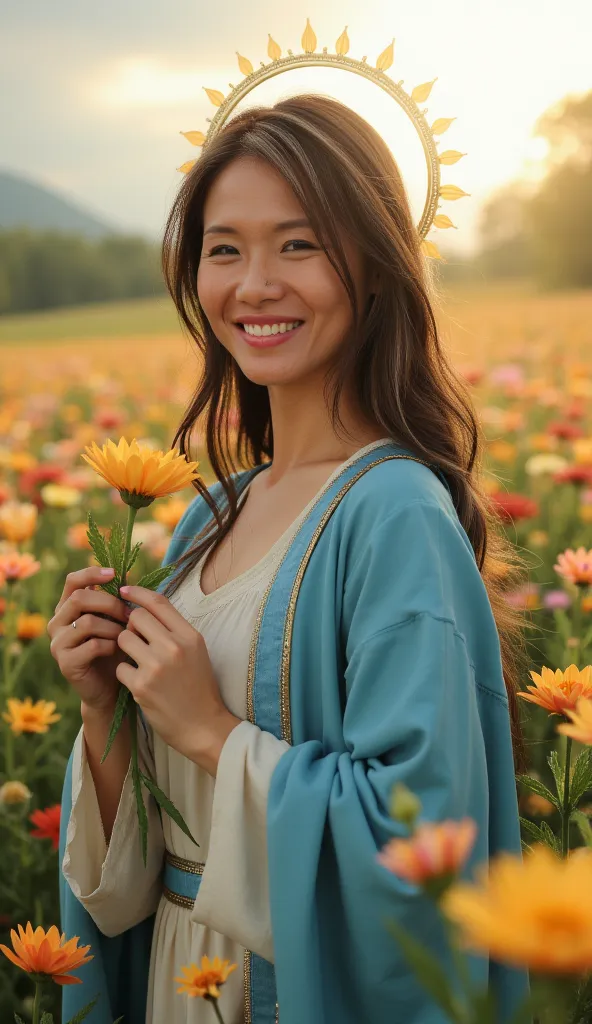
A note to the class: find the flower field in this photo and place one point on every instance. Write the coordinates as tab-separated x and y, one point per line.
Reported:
528	360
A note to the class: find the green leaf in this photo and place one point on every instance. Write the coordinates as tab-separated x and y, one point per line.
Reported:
538	787
19	1020
427	970
97	542
84	1012
116	548
121	709
483	1009
133	555
136	782
167	805
46	1018
153	579
542	833
563	624
557	769
581	780
584	826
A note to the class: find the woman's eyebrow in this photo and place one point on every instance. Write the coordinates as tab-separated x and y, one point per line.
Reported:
285	225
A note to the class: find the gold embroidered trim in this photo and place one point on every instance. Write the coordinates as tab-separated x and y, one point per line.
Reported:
191	867
247	987
179	901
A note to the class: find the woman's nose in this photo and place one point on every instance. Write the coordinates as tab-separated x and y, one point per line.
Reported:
256	284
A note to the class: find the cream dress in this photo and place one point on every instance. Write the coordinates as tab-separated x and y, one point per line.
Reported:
226	815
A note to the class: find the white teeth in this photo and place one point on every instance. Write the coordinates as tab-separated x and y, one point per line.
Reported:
264	330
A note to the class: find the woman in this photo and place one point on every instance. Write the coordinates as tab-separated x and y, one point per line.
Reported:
329	630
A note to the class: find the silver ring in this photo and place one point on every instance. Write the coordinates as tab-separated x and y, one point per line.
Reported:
74	624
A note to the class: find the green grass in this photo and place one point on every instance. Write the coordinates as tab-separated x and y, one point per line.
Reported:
140	317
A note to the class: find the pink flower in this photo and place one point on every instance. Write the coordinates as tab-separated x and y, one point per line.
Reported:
556	599
575	566
434	852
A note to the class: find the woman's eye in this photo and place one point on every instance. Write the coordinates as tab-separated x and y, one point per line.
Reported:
300	241
218	249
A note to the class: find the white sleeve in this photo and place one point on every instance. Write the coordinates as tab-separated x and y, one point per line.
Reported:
233	897
112	882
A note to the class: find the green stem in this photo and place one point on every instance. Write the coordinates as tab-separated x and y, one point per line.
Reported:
219	1017
131	515
10	635
565	808
37	1004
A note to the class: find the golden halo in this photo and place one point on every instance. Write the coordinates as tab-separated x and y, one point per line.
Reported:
408	102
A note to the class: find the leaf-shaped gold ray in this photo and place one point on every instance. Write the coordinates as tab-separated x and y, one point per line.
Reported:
186	167
342	44
442	221
215	96
245	65
442	125
450	156
452	192
195	138
309	40
386	57
421	92
431	249
273	49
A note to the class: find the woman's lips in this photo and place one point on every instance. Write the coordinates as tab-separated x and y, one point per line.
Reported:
267	341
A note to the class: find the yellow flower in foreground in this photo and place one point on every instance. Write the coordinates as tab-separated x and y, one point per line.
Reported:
559	691
534	913
434	851
24	716
13	793
580	727
60	496
205	982
139	473
47	953
575	566
18	520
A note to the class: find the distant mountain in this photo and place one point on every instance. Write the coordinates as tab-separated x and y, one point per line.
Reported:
25	204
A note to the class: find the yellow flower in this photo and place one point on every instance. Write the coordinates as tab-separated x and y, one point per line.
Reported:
545	463
14	792
575	566
558	691
24	716
169	513
580	727
582	449
48	953
534	913
28	626
140	474
60	496
538	539
205	982
538	805
585	512
18	521
502	451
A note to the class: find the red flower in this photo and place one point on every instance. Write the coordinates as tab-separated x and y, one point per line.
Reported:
511	506
565	431
32	480
47	824
574	475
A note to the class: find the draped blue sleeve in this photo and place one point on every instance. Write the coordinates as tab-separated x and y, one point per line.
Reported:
424	704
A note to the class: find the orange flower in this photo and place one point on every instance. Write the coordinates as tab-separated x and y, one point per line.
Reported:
534	913
170	512
139	473
557	691
28	626
434	851
575	566
77	538
24	716
47	953
207	981
18	521
14	566
580	727
47	824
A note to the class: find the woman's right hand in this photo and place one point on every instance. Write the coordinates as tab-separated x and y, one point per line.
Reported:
88	655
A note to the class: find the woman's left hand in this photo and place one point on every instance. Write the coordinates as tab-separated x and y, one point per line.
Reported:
174	682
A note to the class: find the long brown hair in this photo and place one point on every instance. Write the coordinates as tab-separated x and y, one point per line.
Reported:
335	161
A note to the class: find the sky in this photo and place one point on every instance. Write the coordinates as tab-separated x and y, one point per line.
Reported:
93	97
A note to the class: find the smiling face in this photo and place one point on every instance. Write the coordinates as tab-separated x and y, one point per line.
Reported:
248	243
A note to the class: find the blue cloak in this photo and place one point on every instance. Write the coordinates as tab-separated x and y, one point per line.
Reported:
376	656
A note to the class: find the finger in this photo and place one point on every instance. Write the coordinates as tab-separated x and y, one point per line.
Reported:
157	604
86	626
133	645
98	602
128	675
93	574
94	647
146	625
